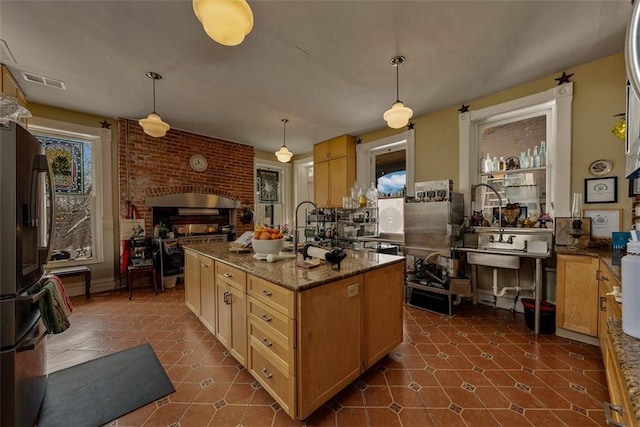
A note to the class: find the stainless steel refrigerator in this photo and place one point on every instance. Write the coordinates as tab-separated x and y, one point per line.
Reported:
26	227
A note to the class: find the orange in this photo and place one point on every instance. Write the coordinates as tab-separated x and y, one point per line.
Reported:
265	236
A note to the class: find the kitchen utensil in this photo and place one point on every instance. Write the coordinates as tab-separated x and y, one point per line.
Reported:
274	258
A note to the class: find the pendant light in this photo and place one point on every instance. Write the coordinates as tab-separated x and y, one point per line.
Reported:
398	115
283	154
153	124
225	21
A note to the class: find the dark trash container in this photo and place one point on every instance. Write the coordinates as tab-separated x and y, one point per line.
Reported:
547	315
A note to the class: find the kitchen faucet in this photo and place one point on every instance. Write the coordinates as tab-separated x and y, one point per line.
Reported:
295	224
473	194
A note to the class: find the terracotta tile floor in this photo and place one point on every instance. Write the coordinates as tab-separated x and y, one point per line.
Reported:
479	368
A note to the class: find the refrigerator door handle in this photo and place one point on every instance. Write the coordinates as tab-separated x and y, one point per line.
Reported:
32	343
33	298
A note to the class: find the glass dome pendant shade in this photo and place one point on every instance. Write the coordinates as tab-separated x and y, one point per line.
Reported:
398	115
153	124
283	154
225	21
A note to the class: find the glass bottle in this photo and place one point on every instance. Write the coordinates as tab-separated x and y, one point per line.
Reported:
523	160
501	164
543	153
529	158
494	164
487	165
536	157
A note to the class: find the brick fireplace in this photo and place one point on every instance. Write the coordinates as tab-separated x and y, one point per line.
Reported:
160	166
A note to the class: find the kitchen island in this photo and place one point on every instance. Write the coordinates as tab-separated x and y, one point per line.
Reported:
303	333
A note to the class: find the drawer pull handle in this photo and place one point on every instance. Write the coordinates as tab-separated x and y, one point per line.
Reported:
603	303
266	318
205	265
608	407
604	278
266	373
227	299
228	275
266	342
266	293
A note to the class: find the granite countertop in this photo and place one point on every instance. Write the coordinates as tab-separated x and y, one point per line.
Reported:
627	349
288	275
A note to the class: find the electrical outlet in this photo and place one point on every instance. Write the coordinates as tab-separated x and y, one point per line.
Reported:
352	290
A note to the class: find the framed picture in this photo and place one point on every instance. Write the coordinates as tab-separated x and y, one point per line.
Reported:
634	187
604	222
268	186
601	190
563	228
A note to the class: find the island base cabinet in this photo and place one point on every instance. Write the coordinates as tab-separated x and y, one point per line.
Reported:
276	380
231	327
192	281
383	317
329	354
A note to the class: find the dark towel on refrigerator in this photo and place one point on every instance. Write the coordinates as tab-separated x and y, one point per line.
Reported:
52	310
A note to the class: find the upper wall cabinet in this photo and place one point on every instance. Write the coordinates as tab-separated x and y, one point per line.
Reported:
10	87
334	164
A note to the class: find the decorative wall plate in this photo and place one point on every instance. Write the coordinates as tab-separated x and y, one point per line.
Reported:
198	163
600	167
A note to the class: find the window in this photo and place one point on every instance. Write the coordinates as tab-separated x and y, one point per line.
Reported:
388	162
511	130
271	184
78	193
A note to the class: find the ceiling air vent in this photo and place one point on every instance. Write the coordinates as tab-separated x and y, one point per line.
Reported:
47	81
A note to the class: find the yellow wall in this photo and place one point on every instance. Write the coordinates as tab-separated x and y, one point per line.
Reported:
598	94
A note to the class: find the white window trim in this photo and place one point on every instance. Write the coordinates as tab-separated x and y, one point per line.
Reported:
285	173
102	220
365	154
556	104
297	167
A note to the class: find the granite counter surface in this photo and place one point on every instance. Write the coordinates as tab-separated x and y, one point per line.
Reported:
288	275
627	350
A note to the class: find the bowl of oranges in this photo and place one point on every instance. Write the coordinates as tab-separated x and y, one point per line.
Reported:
267	241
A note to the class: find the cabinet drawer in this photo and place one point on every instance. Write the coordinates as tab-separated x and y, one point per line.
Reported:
273	295
235	277
276	381
272	344
272	321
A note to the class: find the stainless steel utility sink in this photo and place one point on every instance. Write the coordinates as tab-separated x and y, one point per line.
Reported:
497	260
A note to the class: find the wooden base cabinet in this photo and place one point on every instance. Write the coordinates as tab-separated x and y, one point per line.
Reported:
231	324
330	325
382	333
207	293
192	281
577	298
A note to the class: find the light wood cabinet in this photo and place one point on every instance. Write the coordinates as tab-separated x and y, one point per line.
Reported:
272	340
207	293
10	87
577	299
610	308
330	325
192	281
334	170
231	321
382	295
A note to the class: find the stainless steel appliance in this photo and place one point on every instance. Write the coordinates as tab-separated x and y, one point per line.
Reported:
196	218
431	231
26	215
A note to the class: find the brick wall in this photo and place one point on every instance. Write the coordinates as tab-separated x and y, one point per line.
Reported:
160	166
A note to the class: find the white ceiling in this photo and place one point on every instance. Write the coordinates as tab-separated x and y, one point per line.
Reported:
324	65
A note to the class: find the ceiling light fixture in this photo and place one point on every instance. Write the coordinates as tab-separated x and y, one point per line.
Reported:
283	154
153	124
225	21
398	115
